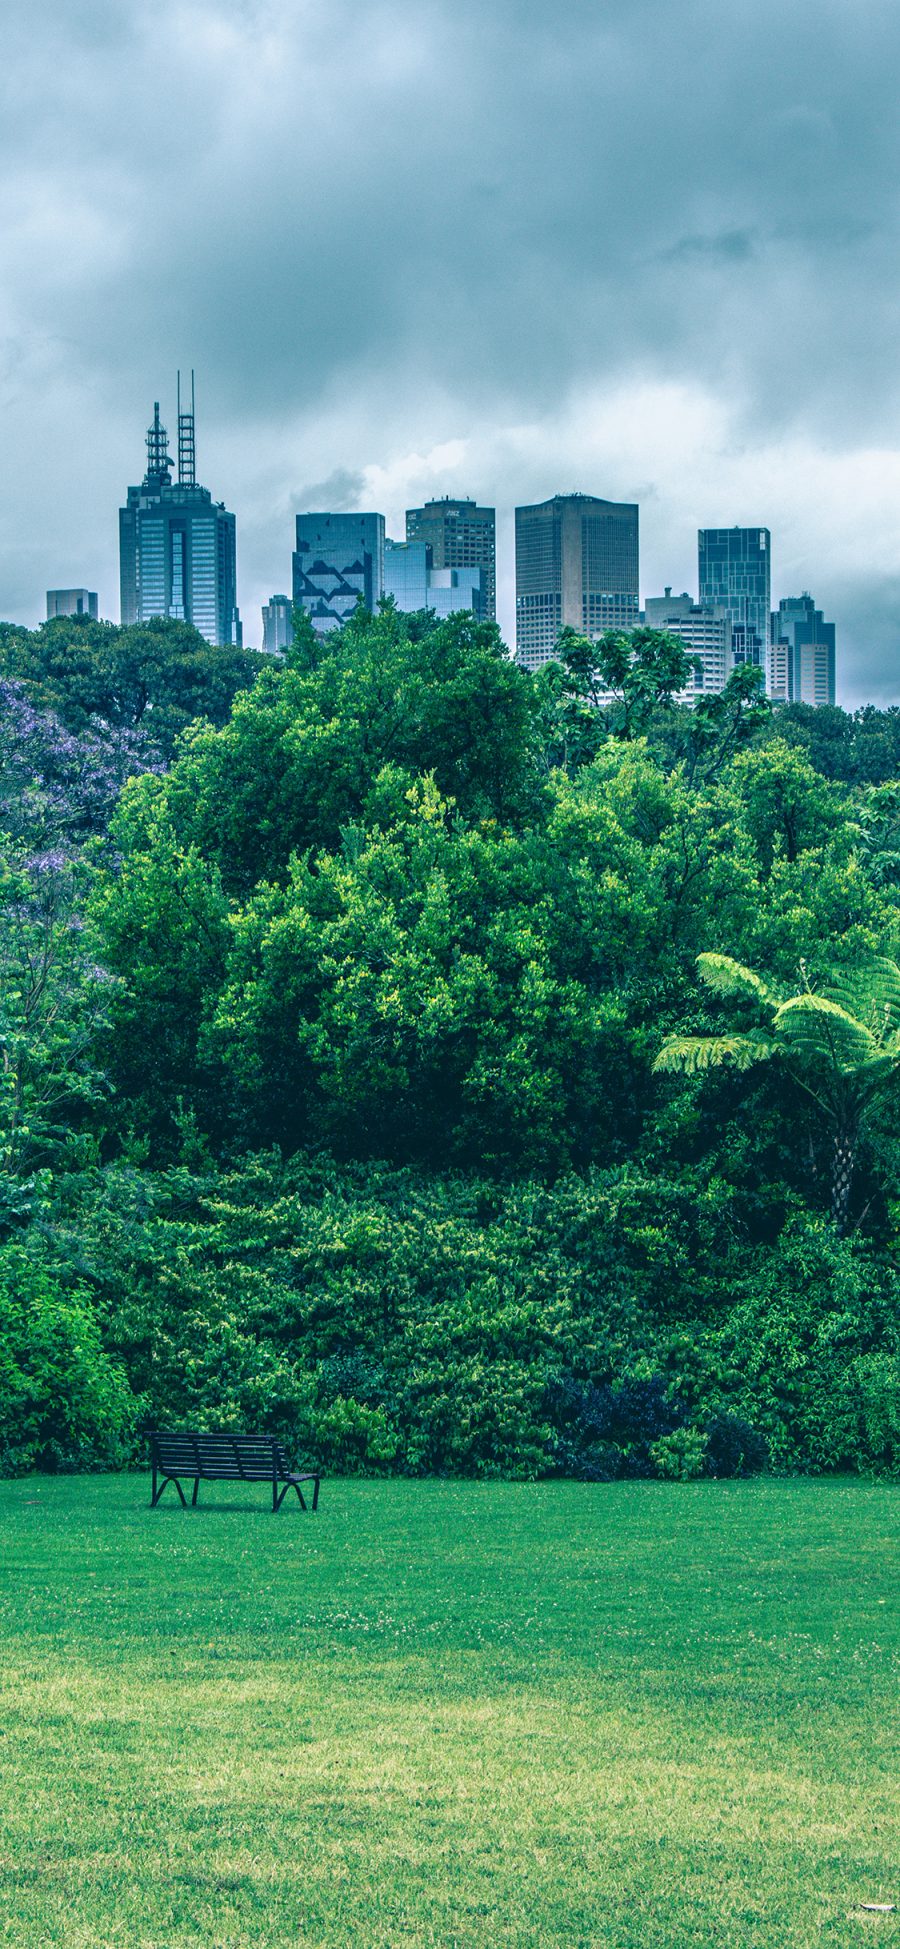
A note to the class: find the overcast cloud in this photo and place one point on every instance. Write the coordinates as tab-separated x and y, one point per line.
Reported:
644	248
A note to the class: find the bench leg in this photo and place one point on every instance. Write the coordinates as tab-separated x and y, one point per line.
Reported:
316	1493
196	1490
299	1495
157	1492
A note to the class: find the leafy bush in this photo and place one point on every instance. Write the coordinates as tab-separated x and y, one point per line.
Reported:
733	1448
63	1403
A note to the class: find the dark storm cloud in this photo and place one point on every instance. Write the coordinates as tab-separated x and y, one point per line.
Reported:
340	201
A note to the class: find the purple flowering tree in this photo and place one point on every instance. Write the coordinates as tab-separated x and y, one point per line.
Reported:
58	788
57	791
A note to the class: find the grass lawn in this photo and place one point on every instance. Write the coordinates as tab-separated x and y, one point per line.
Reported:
449	1713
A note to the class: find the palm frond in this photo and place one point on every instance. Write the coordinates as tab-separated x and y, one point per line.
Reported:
728	977
814	1025
690	1054
871	993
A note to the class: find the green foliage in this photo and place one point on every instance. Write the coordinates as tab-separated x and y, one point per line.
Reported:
63	1402
159	675
389	1321
54	1000
320	746
328	1077
841	1047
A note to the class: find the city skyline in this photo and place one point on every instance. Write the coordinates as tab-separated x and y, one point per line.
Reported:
579	553
660	311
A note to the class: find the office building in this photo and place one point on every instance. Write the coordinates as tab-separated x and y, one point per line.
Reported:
338	561
802	654
704	629
72	602
278	625
577	565
460	535
177	547
735	570
414	583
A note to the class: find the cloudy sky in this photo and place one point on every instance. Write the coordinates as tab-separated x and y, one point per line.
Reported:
643	248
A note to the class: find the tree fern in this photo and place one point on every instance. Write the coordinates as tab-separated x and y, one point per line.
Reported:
841	1046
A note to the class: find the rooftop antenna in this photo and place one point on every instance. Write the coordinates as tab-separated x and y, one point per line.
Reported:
158	463
187	451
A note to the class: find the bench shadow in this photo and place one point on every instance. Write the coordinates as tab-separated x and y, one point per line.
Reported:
223	1509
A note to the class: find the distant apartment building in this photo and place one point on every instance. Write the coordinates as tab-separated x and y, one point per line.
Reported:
414	583
735	570
461	535
72	602
577	565
177	546
704	629
338	561
278	625
802	653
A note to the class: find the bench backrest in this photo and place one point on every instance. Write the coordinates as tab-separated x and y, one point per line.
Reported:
228	1458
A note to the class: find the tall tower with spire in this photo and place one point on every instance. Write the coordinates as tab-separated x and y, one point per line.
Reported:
177	546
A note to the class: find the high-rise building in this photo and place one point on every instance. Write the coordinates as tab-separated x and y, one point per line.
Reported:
278	625
414	583
704	629
735	570
577	565
72	602
802	655
177	548
460	535
338	560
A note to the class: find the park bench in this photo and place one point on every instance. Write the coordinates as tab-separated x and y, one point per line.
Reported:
226	1458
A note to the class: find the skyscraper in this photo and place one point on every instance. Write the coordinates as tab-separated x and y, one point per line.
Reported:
339	558
72	602
735	570
460	535
576	564
278	625
414	583
704	629
802	656
177	548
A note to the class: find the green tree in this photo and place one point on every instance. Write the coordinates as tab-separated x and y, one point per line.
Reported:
840	1046
158	675
300	756
611	686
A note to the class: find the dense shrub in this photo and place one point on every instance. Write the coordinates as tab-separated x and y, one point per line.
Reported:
381	1320
732	1447
63	1402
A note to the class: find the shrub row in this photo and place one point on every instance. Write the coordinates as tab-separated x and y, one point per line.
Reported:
384	1322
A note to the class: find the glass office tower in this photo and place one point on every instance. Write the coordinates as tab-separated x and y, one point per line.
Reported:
461	535
338	560
735	569
802	656
177	546
278	625
72	602
577	565
414	583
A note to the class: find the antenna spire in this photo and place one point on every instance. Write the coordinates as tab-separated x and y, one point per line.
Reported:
159	466
187	449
